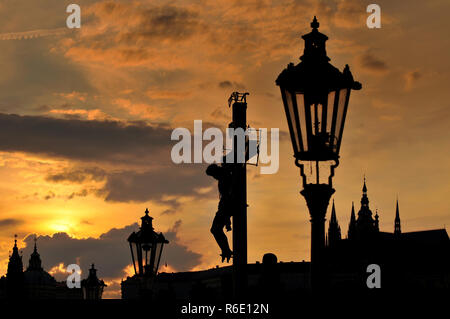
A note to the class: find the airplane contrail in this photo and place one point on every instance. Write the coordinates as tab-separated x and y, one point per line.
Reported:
33	34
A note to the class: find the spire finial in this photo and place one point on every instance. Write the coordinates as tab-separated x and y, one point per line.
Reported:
364	187
147	220
15	240
397	212
315	24
397	223
35	240
333	213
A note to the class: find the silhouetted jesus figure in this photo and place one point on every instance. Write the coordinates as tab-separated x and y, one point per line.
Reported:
224	211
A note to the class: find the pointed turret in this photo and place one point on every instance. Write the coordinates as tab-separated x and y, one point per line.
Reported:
15	265
14	275
377	221
352	225
366	224
397	227
333	214
35	262
364	198
334	231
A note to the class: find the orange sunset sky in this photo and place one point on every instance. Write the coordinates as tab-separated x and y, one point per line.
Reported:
86	117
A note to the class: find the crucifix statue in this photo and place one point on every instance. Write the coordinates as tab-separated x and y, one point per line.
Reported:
224	210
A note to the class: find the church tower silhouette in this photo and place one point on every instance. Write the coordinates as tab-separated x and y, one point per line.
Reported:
366	225
14	274
35	262
397	226
351	233
334	230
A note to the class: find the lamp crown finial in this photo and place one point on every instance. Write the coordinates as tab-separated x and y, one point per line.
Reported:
315	24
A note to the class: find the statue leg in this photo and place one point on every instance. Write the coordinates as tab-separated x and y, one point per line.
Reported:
219	235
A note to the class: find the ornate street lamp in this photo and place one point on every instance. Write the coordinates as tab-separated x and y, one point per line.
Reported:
315	96
146	248
92	287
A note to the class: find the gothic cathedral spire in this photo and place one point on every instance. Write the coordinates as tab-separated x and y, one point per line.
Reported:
366	225
352	225
334	230
397	227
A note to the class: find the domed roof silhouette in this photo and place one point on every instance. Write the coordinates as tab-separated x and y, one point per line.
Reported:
38	277
35	274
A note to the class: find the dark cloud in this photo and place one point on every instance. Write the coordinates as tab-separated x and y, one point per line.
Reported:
33	73
411	78
8	222
372	63
50	195
178	256
82	193
131	143
132	186
168	22
165	22
229	84
41	108
112	141
414	75
77	175
173	204
110	251
225	84
176	180
219	114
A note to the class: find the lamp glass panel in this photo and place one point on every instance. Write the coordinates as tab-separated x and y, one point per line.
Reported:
316	118
293	118
135	256
148	252
302	117
139	257
159	247
330	107
340	114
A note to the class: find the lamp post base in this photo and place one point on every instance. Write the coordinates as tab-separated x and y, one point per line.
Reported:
317	198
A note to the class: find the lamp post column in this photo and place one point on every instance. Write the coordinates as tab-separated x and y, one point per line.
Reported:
317	198
239	187
315	95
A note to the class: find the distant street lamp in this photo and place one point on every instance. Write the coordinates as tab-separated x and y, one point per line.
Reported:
146	247
92	287
315	96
